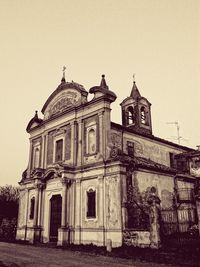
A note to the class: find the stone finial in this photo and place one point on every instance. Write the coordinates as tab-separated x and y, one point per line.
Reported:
133	77
36	114
63	77
103	82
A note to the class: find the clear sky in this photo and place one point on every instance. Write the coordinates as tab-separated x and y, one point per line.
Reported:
158	40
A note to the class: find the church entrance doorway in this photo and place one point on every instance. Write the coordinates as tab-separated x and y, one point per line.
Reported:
55	216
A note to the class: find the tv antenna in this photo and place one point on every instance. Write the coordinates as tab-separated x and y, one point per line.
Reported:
178	131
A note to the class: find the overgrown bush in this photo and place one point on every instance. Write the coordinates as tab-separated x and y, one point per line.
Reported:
9	197
8	228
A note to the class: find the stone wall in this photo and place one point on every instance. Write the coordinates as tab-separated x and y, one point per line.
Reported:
136	238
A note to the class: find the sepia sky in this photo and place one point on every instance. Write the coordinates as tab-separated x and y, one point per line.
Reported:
158	40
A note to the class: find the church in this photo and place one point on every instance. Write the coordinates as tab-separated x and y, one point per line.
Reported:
90	180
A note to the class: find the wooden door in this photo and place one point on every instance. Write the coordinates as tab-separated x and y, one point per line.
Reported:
55	217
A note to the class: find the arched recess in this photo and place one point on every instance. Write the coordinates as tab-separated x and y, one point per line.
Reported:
130	115
91	203
143	114
91	141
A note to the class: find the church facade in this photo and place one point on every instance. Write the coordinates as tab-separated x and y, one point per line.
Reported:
89	180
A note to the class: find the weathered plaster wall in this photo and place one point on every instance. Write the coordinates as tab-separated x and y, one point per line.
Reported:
143	147
136	238
164	186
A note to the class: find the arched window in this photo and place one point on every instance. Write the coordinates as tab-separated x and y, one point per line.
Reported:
32	207
143	115
37	158
130	116
91	141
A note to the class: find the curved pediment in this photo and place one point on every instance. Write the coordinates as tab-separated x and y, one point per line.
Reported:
66	96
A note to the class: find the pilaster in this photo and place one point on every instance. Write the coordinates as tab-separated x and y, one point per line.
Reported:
80	143
73	142
101	135
64	232
30	158
37	213
78	213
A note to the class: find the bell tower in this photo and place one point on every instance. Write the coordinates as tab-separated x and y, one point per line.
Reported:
136	112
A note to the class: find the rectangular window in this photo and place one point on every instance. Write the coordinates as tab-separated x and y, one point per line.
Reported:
32	207
59	150
91	204
182	165
172	160
130	148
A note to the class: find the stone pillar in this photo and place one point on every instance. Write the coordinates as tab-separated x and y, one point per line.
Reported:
154	215
63	232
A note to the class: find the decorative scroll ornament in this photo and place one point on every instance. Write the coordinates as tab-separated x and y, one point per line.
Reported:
114	152
66	100
116	140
